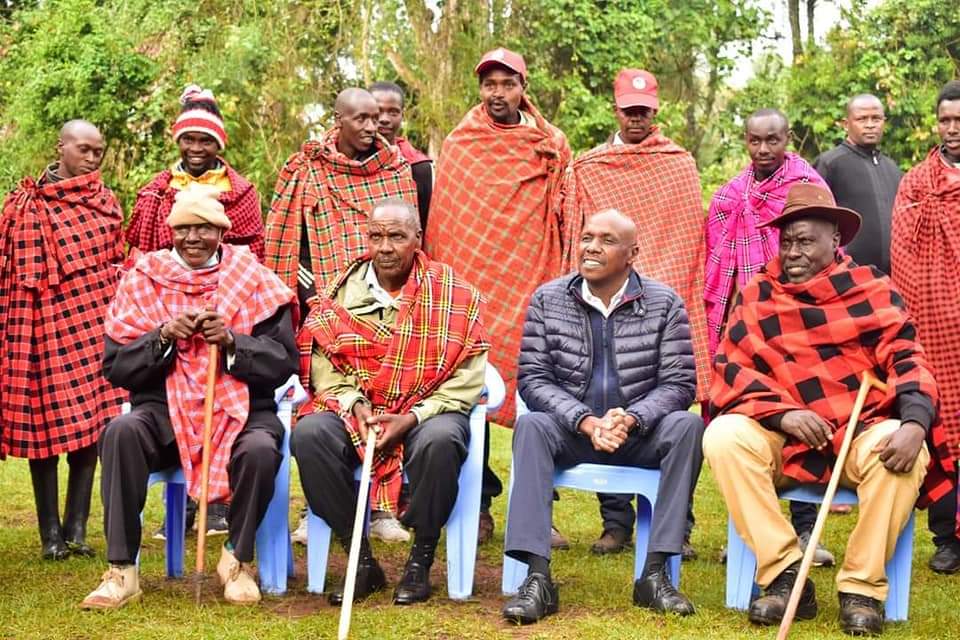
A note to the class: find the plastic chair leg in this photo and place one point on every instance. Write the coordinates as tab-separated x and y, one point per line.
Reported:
318	550
174	527
899	570
741	570
642	532
464	520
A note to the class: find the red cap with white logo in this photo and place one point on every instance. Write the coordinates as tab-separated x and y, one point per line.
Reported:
504	58
635	88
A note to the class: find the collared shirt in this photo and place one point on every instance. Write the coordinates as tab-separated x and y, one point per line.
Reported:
943	156
216	178
527	120
597	303
617	140
359	296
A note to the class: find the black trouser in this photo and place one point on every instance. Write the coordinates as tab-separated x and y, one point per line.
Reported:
491	486
141	442
617	512
433	453
942	518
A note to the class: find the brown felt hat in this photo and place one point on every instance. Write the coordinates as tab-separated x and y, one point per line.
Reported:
813	201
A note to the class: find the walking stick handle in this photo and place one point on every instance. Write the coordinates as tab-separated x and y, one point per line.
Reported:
346	608
867	380
212	365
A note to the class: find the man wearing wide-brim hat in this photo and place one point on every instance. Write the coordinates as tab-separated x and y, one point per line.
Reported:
801	335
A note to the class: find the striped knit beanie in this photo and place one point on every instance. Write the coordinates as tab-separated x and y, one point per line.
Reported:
197	119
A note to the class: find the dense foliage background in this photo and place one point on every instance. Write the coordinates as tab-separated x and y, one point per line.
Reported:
276	65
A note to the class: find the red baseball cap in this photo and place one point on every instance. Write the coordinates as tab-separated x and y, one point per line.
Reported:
635	88
504	58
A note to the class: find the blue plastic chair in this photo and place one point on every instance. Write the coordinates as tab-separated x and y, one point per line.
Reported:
600	478
464	520
742	563
274	551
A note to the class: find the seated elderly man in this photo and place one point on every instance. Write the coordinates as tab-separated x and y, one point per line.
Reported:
169	309
398	347
607	371
785	378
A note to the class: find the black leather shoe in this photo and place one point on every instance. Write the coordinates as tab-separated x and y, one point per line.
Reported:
536	599
415	585
860	615
655	591
946	559
769	609
370	579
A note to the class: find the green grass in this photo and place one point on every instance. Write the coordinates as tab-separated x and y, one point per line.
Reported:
39	599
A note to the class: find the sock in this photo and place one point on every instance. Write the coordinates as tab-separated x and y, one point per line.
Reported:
655	562
424	548
366	554
538	564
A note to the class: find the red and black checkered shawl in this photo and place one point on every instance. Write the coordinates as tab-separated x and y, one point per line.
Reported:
656	183
61	247
494	217
804	346
925	263
437	328
334	196
148	230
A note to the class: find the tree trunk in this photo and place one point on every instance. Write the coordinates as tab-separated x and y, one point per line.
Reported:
793	9
811	8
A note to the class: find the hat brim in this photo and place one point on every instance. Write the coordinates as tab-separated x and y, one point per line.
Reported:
486	64
628	100
848	221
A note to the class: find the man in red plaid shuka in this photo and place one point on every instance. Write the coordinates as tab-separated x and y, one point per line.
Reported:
61	248
201	137
171	307
400	348
799	339
925	254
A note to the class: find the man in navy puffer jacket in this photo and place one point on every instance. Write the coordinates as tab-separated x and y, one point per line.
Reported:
607	372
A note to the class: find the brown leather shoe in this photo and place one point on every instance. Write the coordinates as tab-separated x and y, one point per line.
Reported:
557	541
860	615
612	541
485	530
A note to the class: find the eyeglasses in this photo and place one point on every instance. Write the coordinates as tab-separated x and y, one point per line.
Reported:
203	230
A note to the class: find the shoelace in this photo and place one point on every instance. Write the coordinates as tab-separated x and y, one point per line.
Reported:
528	588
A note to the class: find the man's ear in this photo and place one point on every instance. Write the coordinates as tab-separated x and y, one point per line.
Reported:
337	117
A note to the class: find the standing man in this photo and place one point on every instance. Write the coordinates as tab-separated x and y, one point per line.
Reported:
325	194
863	179
61	245
626	407
391	99
494	214
652	180
925	262
739	242
201	138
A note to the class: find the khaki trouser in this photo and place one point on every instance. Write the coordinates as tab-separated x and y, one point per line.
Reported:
747	463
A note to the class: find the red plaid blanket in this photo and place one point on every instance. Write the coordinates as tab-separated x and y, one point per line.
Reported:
157	289
804	346
148	230
437	328
655	183
333	196
494	219
925	260
60	244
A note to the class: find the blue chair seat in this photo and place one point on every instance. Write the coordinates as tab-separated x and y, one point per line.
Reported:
464	520
742	563
273	548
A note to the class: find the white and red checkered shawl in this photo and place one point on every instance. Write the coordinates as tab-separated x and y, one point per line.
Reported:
159	288
437	328
736	247
656	184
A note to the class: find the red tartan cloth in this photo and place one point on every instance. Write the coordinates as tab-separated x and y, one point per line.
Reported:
925	261
656	183
334	196
410	153
805	346
494	219
148	230
159	288
61	246
437	328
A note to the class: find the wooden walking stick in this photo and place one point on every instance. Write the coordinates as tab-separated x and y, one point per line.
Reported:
205	468
346	608
868	380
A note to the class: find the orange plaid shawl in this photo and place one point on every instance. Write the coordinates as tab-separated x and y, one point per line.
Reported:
333	195
437	328
159	288
925	254
656	183
803	346
493	219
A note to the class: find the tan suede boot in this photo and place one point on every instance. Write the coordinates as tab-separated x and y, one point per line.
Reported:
239	585
119	586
